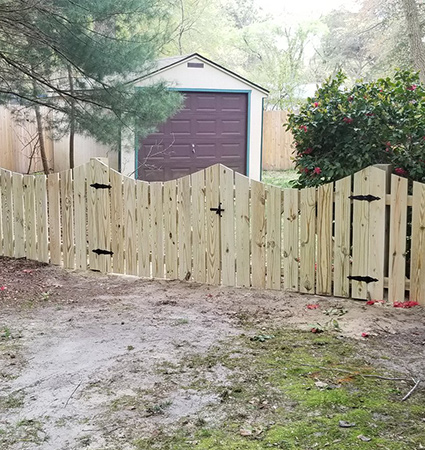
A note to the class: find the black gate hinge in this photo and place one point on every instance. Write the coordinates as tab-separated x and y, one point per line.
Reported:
367	198
218	210
366	280
101	186
99	251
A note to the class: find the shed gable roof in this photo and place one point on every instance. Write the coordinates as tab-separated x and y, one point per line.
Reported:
165	64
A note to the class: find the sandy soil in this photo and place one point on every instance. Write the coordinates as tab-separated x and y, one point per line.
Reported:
87	360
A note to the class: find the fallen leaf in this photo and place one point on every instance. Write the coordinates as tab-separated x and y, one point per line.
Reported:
364	438
365	335
321	384
405	304
313	306
245	432
344	424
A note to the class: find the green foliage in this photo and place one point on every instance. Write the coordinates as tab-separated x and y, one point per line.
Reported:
342	130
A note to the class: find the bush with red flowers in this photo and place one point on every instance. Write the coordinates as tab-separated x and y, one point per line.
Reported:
342	130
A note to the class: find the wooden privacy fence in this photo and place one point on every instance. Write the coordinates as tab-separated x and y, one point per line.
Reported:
346	239
277	142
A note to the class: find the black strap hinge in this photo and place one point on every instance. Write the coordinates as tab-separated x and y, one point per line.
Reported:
99	251
101	186
218	210
366	280
367	198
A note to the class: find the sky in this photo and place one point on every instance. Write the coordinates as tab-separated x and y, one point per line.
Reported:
300	10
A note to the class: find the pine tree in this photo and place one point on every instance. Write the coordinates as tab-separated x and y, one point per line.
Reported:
78	58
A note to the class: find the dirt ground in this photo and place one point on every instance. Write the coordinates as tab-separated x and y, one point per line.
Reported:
79	352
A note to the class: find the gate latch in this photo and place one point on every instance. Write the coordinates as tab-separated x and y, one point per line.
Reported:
366	280
218	210
99	251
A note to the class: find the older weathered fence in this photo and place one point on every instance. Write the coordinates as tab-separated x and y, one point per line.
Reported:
345	239
277	142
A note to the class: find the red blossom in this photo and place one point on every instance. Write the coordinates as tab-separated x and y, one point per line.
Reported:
317	170
348	120
307	151
412	88
409	304
388	144
313	306
372	302
3	288
316	104
365	335
400	171
303	127
370	114
351	98
306	170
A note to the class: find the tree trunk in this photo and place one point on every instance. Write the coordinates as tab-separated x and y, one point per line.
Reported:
71	121
40	132
415	36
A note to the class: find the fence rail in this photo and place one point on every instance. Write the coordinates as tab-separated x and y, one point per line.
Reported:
358	237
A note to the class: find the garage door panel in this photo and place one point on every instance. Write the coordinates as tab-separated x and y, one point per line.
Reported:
210	129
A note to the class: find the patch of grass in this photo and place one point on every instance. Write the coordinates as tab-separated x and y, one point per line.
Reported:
26	431
12	401
5	333
291	392
181	321
280	178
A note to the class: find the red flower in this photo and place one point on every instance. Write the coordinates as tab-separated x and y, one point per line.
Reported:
348	120
307	151
3	288
316	104
388	144
303	127
400	171
306	170
317	170
405	304
351	98
370	114
365	335
412	88
372	302
314	306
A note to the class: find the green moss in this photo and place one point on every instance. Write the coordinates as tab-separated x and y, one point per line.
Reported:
292	391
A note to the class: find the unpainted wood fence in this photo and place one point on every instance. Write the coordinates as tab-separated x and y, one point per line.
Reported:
277	142
348	239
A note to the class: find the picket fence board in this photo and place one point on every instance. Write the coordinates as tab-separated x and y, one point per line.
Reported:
342	241
290	244
30	230
417	275
324	239
7	211
199	239
376	256
53	184
258	223
41	218
117	221
227	222
157	226
242	228
18	213
307	240
171	237
273	237
212	177
67	219
360	234
397	245
130	226
143	229
92	215
184	228
80	217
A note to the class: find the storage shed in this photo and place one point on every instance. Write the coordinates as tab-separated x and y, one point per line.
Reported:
220	122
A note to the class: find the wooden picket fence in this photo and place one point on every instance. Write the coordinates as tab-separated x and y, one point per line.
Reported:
347	239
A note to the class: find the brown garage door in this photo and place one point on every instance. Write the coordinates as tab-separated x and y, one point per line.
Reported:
211	128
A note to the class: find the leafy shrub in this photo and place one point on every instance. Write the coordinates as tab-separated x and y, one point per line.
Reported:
342	130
